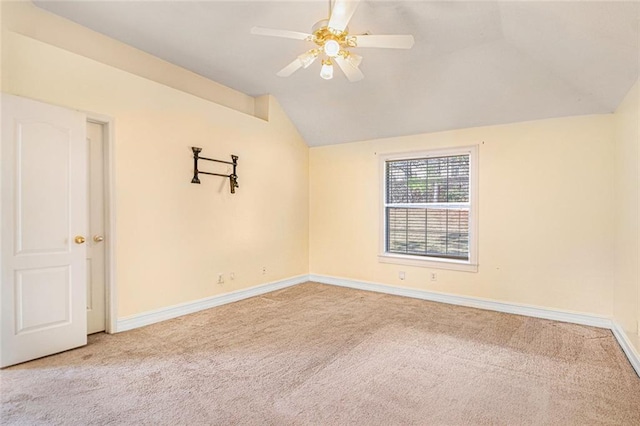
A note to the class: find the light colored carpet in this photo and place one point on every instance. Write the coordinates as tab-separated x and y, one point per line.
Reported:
316	354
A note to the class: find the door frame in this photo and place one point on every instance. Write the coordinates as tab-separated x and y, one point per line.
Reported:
107	123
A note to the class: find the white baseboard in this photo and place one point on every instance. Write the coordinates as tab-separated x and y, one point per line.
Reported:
472	302
624	340
628	347
151	317
162	314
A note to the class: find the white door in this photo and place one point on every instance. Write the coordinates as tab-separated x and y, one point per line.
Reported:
95	245
43	224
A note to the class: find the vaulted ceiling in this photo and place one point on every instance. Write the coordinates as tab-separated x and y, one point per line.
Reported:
473	63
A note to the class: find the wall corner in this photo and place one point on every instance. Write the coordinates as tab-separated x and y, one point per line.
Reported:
262	107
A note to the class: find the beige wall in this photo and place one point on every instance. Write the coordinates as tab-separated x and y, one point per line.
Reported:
173	237
549	227
627	280
546	216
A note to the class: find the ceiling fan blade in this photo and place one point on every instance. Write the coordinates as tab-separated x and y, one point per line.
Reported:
341	13
290	69
352	72
385	41
280	33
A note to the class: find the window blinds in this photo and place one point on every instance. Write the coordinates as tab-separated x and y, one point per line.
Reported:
427	207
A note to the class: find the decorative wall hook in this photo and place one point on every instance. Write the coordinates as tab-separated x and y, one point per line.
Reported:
233	177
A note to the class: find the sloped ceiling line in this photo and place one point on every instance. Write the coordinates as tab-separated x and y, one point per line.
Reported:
473	64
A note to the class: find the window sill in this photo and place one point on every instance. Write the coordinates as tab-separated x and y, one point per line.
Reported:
429	262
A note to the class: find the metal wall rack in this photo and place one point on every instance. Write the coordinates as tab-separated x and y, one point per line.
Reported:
233	177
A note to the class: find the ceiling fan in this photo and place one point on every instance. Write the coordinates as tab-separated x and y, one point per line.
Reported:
334	43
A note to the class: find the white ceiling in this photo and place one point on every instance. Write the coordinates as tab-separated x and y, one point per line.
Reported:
473	63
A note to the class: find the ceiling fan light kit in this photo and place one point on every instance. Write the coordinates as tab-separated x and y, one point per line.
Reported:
334	41
331	48
326	71
307	58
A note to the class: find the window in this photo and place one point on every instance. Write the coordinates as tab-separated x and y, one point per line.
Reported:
429	209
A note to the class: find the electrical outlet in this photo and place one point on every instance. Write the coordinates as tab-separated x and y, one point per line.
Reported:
264	270
401	275
220	278
434	276
232	276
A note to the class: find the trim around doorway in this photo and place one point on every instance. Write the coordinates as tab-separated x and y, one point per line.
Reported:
107	123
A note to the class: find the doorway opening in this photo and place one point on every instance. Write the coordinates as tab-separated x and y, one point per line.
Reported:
101	316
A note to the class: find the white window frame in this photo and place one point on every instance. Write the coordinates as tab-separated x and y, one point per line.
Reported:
470	265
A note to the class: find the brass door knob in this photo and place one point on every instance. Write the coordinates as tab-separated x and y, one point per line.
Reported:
98	238
79	239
